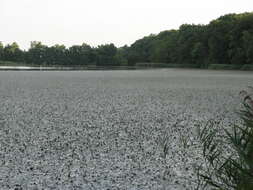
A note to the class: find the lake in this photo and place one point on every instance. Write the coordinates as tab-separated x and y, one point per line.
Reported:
106	129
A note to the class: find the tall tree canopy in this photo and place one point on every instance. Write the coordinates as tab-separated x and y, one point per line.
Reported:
226	40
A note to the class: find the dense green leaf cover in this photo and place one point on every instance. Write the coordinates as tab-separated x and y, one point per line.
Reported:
226	40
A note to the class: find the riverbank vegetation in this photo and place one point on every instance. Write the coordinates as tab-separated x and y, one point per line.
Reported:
224	43
228	152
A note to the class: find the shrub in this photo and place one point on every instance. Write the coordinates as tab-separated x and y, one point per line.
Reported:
247	67
10	63
224	67
151	64
167	65
228	161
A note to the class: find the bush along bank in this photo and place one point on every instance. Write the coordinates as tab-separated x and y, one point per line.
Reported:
228	153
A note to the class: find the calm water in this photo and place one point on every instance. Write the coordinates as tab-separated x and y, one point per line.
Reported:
105	129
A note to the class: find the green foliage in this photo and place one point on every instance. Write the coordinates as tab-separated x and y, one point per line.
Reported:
228	154
247	67
12	52
190	43
162	47
11	63
219	38
81	55
227	40
121	56
166	65
151	65
198	54
106	55
247	39
141	50
224	67
1	50
37	53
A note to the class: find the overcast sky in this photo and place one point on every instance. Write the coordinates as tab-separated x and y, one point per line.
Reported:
97	22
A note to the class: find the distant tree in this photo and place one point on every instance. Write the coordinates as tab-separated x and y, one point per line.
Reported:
189	42
81	55
121	56
198	54
237	56
219	42
56	55
1	51
106	55
239	37
226	40
160	52
133	57
173	47
12	52
248	46
141	50
74	54
88	54
37	53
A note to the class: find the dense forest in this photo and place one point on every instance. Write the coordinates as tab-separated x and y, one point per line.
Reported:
227	40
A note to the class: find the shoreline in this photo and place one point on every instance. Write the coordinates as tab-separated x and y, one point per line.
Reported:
100	68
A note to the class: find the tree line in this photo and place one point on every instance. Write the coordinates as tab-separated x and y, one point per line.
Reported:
226	40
